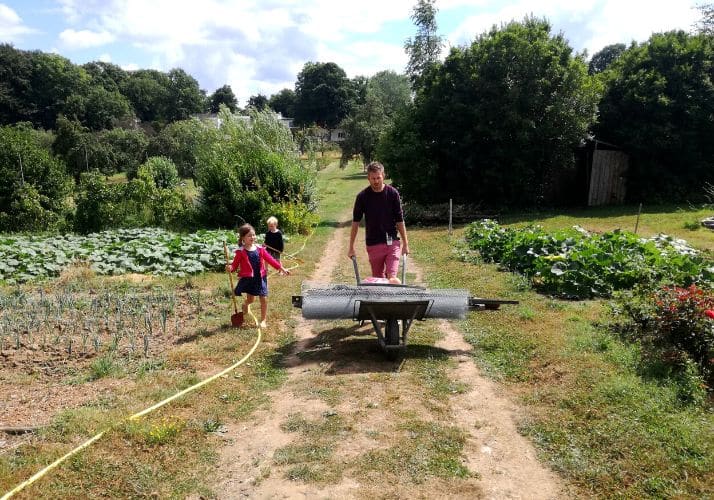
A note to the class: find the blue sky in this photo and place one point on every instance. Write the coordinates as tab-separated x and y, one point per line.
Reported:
259	46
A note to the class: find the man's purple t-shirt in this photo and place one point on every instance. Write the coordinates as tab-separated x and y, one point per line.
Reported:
381	213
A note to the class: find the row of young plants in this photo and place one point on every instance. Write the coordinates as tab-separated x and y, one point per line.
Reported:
76	323
155	251
662	289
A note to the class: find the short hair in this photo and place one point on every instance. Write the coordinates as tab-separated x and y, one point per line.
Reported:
243	230
272	220
375	166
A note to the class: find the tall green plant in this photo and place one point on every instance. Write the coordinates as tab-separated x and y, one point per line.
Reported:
247	167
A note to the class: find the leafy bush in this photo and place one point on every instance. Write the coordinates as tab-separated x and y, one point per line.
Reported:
161	171
138	203
674	325
576	264
294	218
249	167
35	186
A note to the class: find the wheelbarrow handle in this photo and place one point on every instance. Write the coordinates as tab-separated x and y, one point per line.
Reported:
404	269
354	264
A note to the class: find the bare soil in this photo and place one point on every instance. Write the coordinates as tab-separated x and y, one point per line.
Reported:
502	463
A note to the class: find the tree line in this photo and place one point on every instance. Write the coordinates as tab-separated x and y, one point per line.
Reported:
498	122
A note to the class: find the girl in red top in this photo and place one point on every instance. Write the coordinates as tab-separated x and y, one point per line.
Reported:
250	262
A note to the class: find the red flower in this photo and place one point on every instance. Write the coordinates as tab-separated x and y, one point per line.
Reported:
709	313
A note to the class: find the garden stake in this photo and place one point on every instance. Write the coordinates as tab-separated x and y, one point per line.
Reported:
236	317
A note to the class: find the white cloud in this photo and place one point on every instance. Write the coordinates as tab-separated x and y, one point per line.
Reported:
587	24
84	38
11	25
105	57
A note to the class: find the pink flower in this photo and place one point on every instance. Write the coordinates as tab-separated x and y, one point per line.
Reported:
709	313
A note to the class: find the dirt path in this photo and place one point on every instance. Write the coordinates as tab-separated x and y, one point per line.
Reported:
502	462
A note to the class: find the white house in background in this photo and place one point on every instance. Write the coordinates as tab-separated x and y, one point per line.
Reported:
337	135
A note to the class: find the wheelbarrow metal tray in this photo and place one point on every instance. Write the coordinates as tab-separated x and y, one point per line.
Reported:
340	301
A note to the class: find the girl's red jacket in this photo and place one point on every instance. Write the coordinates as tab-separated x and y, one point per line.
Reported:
242	262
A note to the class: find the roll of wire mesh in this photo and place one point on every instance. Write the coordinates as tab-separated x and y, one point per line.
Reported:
337	301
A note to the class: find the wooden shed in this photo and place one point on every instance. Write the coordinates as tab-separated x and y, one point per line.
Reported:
606	172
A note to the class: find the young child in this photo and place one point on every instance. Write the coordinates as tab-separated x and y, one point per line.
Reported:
274	238
250	261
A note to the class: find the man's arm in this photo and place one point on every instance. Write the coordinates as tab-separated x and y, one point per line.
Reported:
353	236
402	228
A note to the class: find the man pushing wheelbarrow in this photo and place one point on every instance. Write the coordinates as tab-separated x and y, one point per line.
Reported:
387	302
381	207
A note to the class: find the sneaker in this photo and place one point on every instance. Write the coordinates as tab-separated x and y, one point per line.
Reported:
263	324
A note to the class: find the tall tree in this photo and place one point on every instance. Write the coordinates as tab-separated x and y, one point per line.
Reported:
108	75
15	82
705	25
605	57
258	102
223	95
185	97
386	93
54	79
498	121
323	95
147	90
658	105
283	102
424	49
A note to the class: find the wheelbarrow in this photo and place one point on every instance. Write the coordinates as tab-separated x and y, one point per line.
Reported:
391	308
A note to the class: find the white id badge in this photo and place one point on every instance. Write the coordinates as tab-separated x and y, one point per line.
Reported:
389	239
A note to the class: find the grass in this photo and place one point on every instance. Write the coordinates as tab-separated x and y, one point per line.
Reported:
675	220
607	429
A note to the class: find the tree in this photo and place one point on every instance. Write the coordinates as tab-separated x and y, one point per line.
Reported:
99	109
424	49
283	102
107	75
35	188
223	95
658	106
605	57
705	25
323	95
498	121
54	80
184	96
391	89
386	93
15	82
180	141
258	102
148	92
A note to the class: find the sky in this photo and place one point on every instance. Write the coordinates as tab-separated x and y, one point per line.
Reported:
260	46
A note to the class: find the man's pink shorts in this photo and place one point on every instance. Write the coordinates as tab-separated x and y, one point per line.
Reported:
384	259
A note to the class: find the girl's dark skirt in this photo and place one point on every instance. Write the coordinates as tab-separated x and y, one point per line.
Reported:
253	286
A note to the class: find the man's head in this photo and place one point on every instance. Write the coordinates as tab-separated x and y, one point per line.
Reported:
375	175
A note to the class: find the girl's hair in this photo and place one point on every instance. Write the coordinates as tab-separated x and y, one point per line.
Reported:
243	230
272	220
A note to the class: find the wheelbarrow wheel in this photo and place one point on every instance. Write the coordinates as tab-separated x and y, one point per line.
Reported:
391	338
